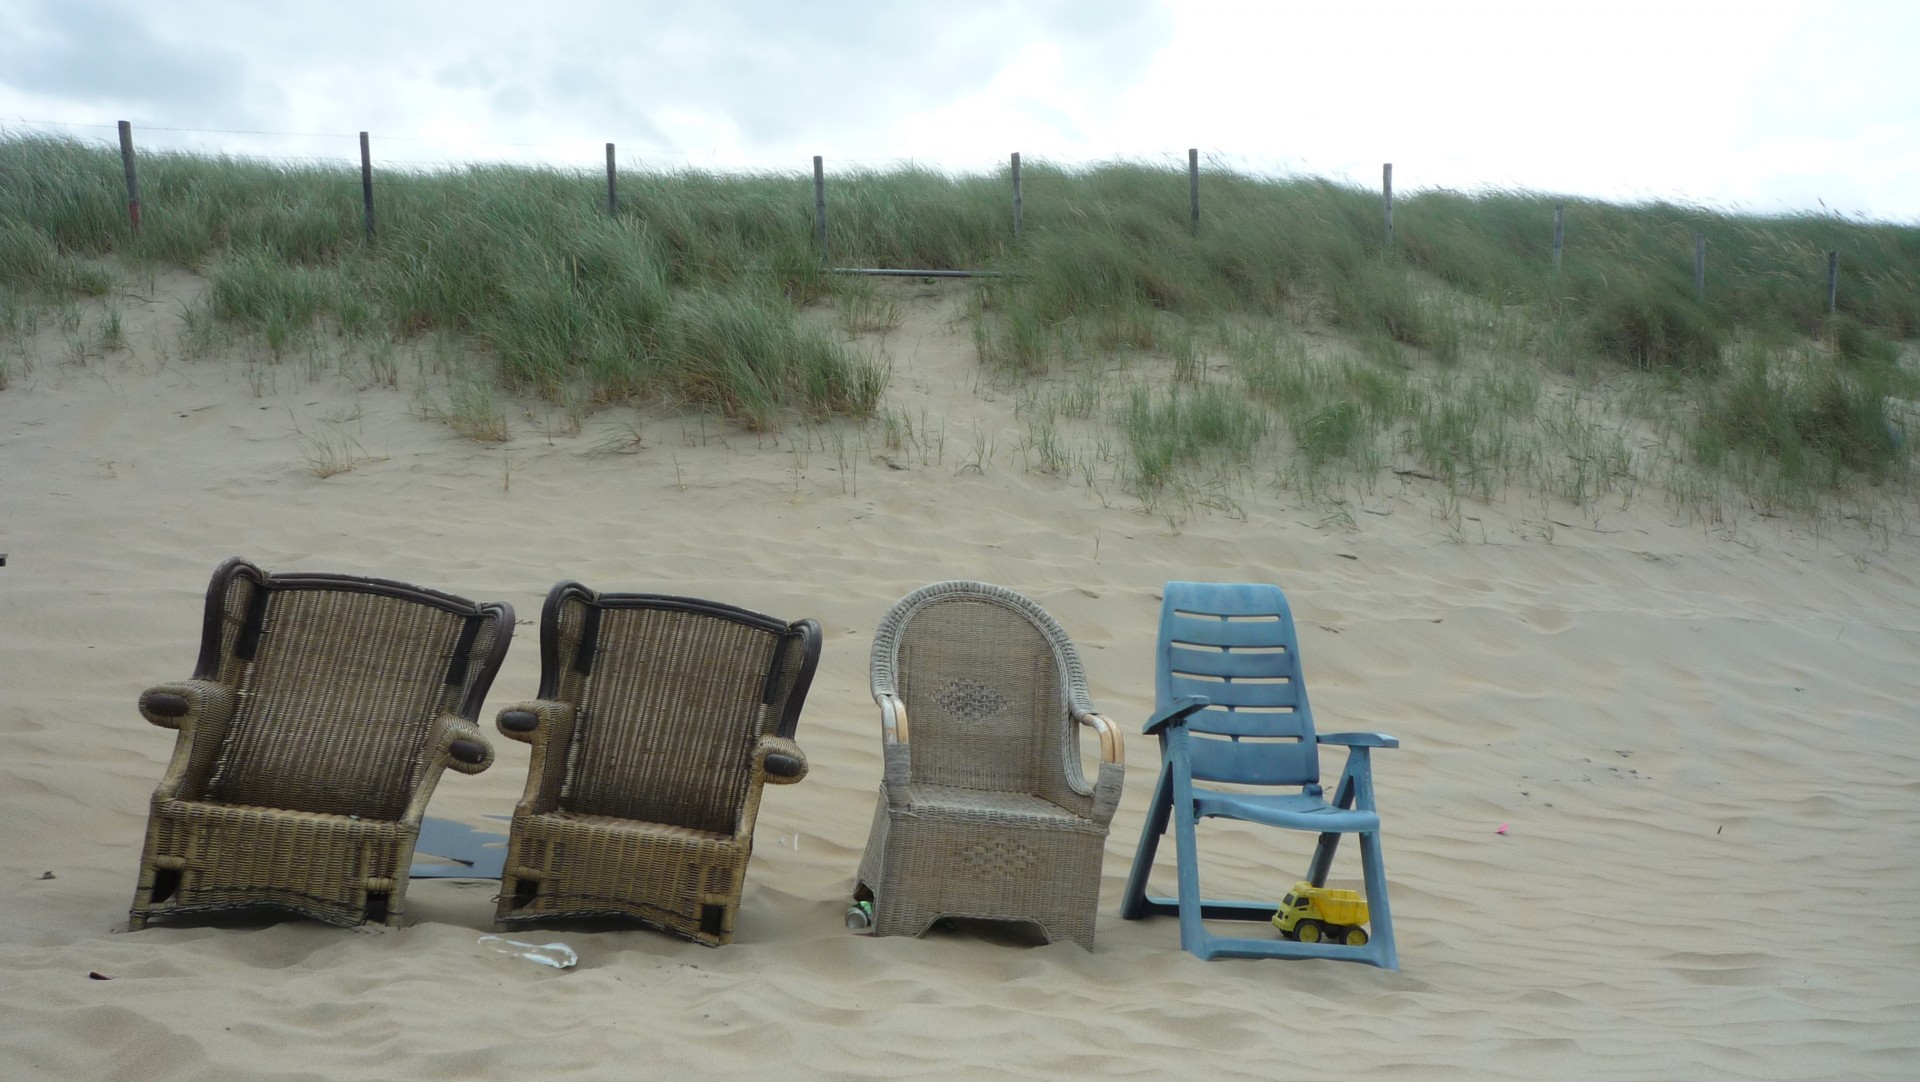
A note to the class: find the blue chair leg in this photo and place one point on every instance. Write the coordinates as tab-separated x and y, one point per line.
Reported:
1134	903
1385	953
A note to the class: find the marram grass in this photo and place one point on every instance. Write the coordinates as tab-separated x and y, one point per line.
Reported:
693	293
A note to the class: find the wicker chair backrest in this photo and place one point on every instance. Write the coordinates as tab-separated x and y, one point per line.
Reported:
987	678
337	684
671	697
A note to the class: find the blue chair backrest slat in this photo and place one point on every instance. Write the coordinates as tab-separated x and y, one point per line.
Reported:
1239	664
1226	598
1201	630
1273	723
1235	692
1247	762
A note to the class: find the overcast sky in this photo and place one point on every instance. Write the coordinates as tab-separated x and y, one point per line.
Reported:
1760	105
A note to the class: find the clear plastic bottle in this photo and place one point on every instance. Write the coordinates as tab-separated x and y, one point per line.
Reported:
557	955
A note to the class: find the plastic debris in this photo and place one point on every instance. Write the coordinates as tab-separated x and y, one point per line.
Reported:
557	955
1501	829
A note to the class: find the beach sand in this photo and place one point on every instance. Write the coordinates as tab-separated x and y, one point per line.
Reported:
1700	738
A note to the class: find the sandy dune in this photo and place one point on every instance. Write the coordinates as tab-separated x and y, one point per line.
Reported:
1704	749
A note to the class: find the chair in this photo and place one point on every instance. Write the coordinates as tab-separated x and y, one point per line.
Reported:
1232	709
984	812
317	722
659	720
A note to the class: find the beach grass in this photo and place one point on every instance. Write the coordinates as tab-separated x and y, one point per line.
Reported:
1283	331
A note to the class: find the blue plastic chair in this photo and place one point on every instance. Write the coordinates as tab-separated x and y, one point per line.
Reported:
1232	709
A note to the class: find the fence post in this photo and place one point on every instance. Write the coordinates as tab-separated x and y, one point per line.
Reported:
1386	199
1833	281
1559	234
1017	209
820	207
366	181
1699	265
613	202
133	182
1193	189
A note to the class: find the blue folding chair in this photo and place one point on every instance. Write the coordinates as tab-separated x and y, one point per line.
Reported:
1231	708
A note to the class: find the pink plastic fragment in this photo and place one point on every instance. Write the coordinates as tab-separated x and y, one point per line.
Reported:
1501	829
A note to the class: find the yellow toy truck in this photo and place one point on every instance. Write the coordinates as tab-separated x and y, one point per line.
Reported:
1313	914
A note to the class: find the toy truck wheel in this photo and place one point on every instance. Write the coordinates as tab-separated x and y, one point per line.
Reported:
1354	937
1309	931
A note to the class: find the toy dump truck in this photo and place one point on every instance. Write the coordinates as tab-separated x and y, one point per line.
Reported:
1313	914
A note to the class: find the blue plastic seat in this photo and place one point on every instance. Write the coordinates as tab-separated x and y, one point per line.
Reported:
1231	709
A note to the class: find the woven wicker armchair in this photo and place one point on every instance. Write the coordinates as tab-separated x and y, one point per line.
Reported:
985	812
659	721
317	722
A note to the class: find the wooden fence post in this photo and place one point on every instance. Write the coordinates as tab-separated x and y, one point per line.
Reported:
1386	199
1193	189
1699	266
366	182
613	202
133	182
820	207
1559	234
1017	209
1833	282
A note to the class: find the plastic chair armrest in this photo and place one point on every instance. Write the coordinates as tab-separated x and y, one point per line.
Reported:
1176	712
1360	740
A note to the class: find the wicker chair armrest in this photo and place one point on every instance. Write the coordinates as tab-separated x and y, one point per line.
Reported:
893	719
1113	749
779	761
536	722
466	750
1106	792
187	703
895	750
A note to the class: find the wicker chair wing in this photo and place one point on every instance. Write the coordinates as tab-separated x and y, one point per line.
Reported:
322	712
659	720
984	810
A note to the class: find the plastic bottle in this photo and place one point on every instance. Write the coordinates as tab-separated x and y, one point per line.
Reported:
557	955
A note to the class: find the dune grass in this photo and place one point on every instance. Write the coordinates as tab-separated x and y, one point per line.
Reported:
696	293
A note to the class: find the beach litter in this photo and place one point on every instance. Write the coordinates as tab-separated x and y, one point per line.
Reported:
1501	829
557	955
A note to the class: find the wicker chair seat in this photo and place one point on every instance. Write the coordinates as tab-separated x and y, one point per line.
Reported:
604	865
230	856
986	806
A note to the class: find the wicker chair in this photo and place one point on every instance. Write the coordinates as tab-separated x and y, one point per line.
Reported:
659	720
317	722
985	812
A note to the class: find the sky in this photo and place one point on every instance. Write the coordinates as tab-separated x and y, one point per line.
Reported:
1759	106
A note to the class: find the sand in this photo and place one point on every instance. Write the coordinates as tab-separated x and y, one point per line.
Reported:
1699	737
